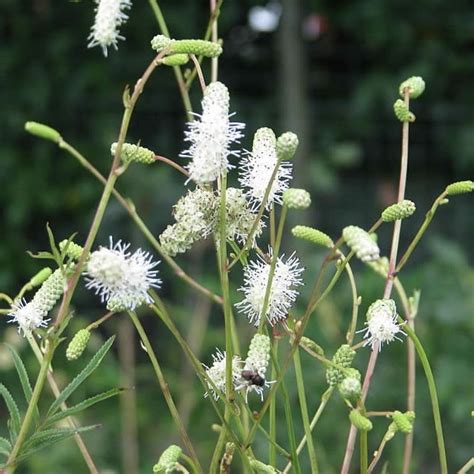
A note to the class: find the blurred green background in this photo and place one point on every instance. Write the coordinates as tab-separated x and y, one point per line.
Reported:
326	70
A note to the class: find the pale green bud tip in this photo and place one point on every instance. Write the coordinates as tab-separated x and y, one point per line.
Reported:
401	210
350	388
403	421
361	243
196	47
168	459
262	468
286	146
402	112
135	153
41	277
313	235
160	42
296	198
361	422
78	344
43	131
264	135
343	358
73	250
460	187
415	86
311	345
175	60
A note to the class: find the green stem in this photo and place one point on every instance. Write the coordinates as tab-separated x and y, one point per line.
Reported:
467	467
363	452
164	387
216	456
355	305
272	414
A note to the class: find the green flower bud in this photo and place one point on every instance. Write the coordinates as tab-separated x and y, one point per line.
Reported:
50	292
286	146
343	358
160	42
296	198
175	60
402	112
361	422
265	135
385	306
135	153
460	187
78	344
311	345
196	47
313	235
415	86
43	131
361	243
350	388
41	277
401	210
402	421
73	250
262	468
168	459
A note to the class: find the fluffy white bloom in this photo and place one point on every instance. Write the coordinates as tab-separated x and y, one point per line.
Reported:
109	16
282	293
28	316
381	323
121	278
211	135
217	373
258	166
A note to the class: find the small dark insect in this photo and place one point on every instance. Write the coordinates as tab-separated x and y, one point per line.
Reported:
253	378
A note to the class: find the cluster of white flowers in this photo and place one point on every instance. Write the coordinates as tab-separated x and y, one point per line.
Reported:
282	293
217	373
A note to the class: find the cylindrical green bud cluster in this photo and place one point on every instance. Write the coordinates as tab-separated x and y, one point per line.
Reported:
350	388
160	42
43	131
296	198
361	422
73	250
361	243
460	187
313	235
343	358
41	277
400	210
130	152
403	421
78	344
402	112
387	307
196	47
415	86
175	60
311	345
168	459
50	292
260	467
286	146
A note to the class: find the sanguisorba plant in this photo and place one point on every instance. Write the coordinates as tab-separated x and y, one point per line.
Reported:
246	225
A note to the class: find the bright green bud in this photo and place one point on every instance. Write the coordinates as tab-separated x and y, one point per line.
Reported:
296	198
160	42
415	86
41	277
402	112
78	344
168	459
262	468
361	422
361	243
401	210
73	250
196	47
313	235
50	292
311	345
286	146
350	388
402	421
135	153
43	131
175	60
343	358
460	187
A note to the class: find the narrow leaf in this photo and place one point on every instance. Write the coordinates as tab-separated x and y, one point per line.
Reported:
52	243
15	418
90	367
5	446
22	373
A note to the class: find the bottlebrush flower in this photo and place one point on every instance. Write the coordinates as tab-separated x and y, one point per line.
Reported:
121	278
109	16
211	136
27	315
217	373
282	293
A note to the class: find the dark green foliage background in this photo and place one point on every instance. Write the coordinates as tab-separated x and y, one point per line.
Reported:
349	160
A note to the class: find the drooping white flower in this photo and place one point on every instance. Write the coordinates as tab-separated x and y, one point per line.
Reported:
217	373
381	323
282	293
121	278
27	315
258	166
211	136
109	16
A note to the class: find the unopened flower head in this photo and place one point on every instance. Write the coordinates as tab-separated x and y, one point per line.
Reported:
381	323
258	167
120	277
217	373
282	293
361	243
27	315
109	16
211	136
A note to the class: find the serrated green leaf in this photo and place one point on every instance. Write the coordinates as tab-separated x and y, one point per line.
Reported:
52	243
88	369
82	406
15	418
5	446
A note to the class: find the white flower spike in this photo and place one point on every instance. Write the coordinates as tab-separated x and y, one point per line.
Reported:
282	294
218	376
211	136
109	16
